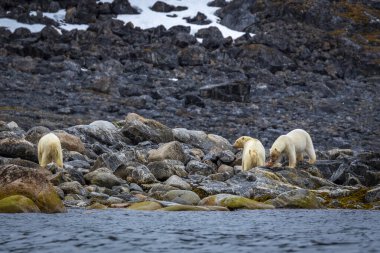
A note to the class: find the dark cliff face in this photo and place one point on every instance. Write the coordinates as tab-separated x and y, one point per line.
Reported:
311	65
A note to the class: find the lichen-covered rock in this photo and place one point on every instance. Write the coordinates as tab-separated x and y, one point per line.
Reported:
178	182
171	151
18	148
103	177
139	129
164	169
97	206
233	202
299	198
145	206
30	183
182	197
18	204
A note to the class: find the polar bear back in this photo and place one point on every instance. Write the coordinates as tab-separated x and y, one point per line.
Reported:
300	138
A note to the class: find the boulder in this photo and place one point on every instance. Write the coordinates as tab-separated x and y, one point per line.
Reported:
139	129
299	198
139	174
200	139
103	177
18	148
233	202
178	182
70	142
145	206
196	167
32	184
164	169
182	197
172	150
373	195
18	204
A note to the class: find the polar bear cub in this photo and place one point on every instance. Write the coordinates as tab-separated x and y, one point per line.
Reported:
293	145
49	150
253	152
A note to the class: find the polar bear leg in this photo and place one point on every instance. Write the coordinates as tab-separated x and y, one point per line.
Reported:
299	156
45	159
58	157
292	157
311	154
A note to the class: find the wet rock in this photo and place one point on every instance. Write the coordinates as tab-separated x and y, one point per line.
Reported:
196	167
103	177
184	208
182	197
178	182
300	198
32	184
233	202
164	169
145	206
18	148
18	204
139	129
171	151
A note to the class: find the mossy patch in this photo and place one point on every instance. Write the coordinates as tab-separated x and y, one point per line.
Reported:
50	202
354	200
97	206
18	204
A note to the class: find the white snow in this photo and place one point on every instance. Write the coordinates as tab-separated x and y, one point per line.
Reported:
148	18
12	25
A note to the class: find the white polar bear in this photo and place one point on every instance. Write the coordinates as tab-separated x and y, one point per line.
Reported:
49	150
253	152
294	145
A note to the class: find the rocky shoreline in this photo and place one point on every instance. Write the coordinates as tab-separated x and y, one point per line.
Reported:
141	164
311	65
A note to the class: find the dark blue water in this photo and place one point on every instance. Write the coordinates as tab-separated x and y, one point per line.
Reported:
119	230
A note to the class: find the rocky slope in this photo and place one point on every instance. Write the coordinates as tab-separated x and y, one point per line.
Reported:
142	164
312	64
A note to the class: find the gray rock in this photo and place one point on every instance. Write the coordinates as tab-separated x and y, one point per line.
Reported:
164	169
373	195
171	150
73	188
139	174
18	148
182	197
178	182
299	198
139	129
103	177
196	167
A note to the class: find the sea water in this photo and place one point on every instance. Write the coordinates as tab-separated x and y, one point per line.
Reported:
121	230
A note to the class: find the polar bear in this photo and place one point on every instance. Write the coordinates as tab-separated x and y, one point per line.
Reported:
49	150
253	152
294	145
